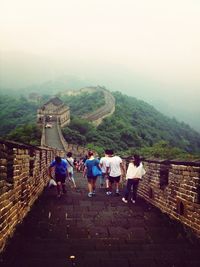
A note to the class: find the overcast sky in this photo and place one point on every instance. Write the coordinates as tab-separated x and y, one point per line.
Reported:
147	48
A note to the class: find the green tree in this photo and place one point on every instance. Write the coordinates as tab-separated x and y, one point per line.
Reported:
28	134
74	137
163	150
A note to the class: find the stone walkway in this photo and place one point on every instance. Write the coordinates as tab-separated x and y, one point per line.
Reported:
52	137
100	232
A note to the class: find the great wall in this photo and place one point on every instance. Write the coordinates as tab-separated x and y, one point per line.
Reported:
106	110
173	187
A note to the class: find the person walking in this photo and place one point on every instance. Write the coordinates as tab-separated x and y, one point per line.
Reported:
134	174
70	161
89	163
115	169
104	161
60	166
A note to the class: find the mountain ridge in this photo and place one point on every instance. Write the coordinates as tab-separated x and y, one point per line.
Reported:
134	124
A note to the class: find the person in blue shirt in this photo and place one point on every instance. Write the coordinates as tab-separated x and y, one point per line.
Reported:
89	163
59	166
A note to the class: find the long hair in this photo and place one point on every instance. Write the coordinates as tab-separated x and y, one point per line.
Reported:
69	154
90	153
136	160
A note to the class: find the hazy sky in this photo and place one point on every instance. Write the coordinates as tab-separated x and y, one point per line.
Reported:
147	48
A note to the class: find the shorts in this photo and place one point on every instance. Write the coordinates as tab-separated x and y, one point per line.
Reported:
59	177
104	175
114	179
91	178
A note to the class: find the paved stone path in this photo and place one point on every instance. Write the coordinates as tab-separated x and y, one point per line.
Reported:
52	137
100	232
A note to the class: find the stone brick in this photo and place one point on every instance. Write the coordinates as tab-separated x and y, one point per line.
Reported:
183	182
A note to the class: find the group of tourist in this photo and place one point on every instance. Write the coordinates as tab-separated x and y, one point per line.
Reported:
109	168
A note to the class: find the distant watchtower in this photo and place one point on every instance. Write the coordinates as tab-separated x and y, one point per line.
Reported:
54	110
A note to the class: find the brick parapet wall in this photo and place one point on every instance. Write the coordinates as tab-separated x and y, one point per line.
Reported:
77	151
106	110
23	176
175	189
172	187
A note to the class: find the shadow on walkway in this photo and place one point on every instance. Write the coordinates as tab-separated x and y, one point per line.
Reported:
100	231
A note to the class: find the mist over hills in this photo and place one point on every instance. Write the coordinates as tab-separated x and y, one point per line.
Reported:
16	78
134	124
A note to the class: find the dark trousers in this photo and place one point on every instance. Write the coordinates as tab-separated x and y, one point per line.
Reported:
131	184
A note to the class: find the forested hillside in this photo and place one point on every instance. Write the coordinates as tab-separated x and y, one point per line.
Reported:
18	120
18	114
15	112
135	126
83	103
141	124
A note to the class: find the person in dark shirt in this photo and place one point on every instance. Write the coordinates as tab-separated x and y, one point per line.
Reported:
59	166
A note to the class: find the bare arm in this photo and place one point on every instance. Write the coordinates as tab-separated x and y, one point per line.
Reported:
50	171
67	173
84	172
123	170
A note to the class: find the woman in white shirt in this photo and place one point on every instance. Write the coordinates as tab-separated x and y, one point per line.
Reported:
134	174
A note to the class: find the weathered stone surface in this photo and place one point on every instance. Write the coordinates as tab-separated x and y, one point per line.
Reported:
183	183
105	219
128	235
17	191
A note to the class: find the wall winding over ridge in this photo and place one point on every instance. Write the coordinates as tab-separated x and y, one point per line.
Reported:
106	110
77	151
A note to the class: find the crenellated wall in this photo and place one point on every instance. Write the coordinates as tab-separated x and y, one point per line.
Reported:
106	110
77	151
174	187
23	176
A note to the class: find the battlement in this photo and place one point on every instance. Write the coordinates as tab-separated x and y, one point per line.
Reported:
23	176
174	187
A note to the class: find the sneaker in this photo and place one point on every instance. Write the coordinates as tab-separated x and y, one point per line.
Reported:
93	193
124	200
133	201
89	194
108	193
117	193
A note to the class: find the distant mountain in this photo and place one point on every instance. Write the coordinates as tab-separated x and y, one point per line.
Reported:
149	125
136	124
50	87
60	84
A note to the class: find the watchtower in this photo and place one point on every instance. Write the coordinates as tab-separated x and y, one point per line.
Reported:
54	110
